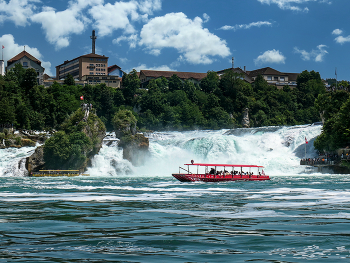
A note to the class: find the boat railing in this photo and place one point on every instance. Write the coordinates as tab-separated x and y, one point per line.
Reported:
184	170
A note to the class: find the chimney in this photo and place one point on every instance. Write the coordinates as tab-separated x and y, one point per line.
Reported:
244	69
93	37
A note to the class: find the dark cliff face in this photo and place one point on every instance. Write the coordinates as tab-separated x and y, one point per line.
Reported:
72	147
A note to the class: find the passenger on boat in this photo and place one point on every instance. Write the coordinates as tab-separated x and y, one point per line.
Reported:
212	171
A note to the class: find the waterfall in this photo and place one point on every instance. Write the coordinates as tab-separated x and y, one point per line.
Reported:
12	161
278	149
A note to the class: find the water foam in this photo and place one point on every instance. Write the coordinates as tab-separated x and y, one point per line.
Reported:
278	149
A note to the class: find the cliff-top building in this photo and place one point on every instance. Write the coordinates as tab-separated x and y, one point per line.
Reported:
273	77
90	69
27	61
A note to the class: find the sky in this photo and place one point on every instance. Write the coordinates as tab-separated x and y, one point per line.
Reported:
183	35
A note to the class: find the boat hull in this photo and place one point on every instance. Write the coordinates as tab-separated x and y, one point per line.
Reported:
218	178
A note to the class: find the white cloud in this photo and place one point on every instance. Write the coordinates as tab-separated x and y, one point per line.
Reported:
342	40
120	15
148	6
132	39
206	17
145	67
110	17
292	4
337	32
12	49
247	26
316	55
59	25
17	11
188	37
270	56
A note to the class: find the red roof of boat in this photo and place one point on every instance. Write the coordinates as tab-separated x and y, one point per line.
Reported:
226	165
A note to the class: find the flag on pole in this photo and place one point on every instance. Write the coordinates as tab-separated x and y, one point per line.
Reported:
3	47
306	141
81	97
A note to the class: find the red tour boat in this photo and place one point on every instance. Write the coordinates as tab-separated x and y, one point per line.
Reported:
218	173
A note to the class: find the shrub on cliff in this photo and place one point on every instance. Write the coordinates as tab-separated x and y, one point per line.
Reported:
66	151
69	148
124	123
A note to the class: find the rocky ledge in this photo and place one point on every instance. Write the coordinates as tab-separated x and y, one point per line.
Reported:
135	145
72	147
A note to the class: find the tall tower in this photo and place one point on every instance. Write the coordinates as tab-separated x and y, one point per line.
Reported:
93	37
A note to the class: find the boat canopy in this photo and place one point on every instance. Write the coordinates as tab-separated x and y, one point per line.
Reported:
225	165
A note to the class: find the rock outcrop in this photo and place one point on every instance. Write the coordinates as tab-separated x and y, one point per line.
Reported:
72	147
245	120
36	161
135	149
135	145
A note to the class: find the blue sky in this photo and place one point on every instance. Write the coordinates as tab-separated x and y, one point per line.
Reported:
184	35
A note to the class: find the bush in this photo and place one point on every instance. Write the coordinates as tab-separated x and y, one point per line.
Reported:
18	140
27	142
2	136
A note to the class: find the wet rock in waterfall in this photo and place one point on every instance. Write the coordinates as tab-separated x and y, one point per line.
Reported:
245	120
35	162
135	145
120	169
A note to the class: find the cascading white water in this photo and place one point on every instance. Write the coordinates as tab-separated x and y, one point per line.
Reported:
12	161
278	149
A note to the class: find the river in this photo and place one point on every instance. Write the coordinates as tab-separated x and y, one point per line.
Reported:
122	213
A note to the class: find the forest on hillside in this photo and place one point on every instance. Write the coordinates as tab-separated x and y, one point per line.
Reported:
164	104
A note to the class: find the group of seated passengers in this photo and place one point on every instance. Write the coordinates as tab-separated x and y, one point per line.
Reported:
213	172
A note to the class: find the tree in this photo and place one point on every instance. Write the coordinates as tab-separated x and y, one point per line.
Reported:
29	79
69	80
210	82
175	83
130	83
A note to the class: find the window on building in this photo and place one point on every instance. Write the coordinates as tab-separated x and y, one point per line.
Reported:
91	59
281	78
91	73
275	78
25	64
269	78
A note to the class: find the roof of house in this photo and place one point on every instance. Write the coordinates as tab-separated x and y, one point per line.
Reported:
264	71
271	71
168	74
91	55
112	68
238	70
21	55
